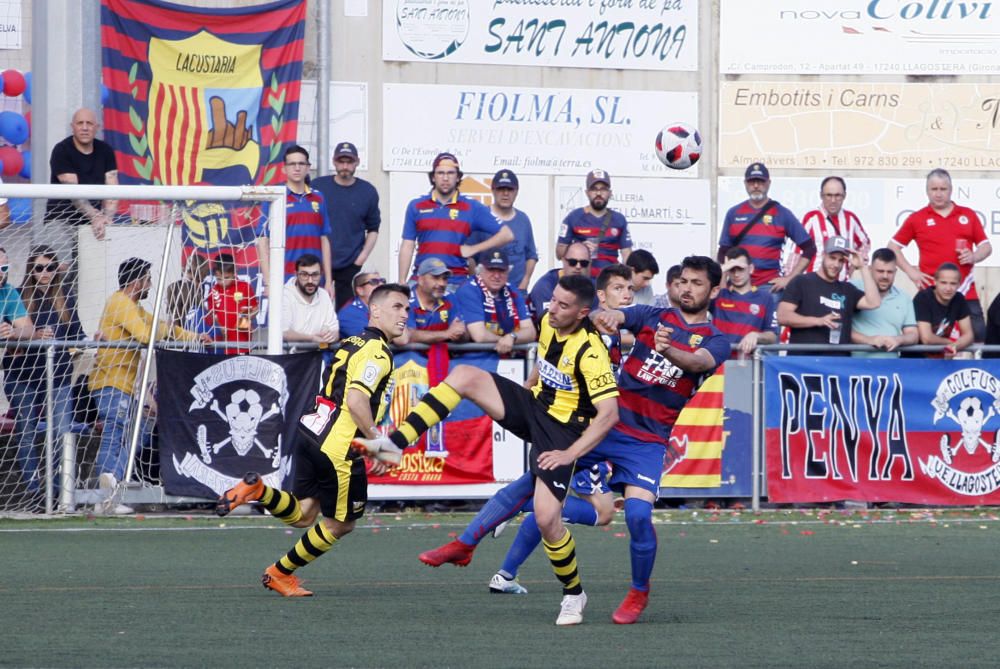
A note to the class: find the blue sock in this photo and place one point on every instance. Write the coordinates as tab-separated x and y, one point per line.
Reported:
579	512
527	540
502	506
642	541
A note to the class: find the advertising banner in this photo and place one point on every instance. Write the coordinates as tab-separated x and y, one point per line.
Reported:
530	130
596	34
860	37
913	431
859	126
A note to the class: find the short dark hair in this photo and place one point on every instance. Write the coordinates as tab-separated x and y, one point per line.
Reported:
830	178
132	269
884	255
382	291
617	269
947	267
738	252
673	274
642	260
581	287
704	264
306	260
224	262
295	148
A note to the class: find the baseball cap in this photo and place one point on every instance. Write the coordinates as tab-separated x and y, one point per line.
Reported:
445	156
432	266
504	179
836	245
346	149
598	176
496	259
757	171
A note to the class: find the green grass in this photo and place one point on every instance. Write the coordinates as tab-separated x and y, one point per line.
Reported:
785	589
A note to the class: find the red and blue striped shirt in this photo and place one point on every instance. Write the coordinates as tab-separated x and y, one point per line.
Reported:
609	229
765	239
440	229
651	389
306	224
736	315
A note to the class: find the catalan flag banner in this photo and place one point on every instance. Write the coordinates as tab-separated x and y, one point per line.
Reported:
710	444
459	450
199	95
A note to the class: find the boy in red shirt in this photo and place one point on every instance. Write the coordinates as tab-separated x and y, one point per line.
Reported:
231	304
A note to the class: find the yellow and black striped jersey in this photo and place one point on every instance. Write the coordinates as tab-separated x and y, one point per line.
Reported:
574	372
363	362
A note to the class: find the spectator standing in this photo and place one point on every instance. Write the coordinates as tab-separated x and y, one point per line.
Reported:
829	220
307	225
440	225
353	318
576	260
818	307
81	158
521	250
761	226
943	315
493	310
671	298
231	305
893	323
352	207
741	311
644	268
604	231
113	378
307	312
945	232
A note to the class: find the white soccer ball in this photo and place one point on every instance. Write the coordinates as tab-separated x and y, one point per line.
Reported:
678	145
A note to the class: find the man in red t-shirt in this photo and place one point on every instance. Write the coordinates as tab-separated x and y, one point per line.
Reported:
945	232
231	304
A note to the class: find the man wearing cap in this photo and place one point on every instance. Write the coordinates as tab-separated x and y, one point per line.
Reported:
744	314
440	225
761	225
353	317
493	310
352	205
605	232
818	307
576	260
433	318
521	251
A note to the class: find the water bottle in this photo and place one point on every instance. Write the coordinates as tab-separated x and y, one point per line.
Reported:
835	331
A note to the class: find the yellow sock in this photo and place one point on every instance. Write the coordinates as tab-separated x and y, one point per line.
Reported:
562	555
316	541
282	505
435	406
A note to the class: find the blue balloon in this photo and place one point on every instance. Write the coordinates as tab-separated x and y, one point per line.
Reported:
20	210
13	127
27	87
26	169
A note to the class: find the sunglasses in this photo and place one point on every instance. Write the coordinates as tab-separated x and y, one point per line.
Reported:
51	267
373	282
574	262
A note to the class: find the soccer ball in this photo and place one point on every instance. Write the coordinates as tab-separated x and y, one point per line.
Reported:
678	146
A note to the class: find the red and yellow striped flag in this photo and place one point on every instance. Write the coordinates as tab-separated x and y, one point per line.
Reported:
696	442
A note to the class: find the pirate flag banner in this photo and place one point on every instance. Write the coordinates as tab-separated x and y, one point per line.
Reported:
885	430
201	95
222	416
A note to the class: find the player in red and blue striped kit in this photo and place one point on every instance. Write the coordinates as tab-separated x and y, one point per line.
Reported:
768	223
743	313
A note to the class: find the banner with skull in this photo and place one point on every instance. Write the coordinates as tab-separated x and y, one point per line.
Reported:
222	416
882	430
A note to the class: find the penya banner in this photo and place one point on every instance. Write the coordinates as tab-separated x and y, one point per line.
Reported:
902	430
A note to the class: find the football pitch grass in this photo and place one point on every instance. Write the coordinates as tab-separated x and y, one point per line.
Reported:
780	589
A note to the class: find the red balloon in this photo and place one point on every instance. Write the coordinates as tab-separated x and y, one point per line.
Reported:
12	160
13	83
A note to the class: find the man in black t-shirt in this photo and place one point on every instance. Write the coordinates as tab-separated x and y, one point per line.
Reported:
81	158
818	307
941	319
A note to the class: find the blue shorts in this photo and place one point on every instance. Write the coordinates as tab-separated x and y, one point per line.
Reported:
591	480
633	462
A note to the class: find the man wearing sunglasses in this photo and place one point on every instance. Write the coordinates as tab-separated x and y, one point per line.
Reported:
353	318
576	260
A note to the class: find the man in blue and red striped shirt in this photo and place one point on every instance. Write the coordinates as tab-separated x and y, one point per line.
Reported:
438	225
770	224
744	314
605	232
307	224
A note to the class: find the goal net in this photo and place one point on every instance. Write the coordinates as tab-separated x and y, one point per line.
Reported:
84	277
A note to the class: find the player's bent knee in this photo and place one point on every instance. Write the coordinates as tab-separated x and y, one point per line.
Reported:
338	528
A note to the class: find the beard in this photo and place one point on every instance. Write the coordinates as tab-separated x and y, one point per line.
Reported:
694	308
308	289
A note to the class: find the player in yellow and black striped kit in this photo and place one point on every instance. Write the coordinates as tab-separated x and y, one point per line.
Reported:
329	476
565	407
